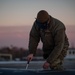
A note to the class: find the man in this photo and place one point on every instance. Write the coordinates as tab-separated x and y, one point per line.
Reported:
55	42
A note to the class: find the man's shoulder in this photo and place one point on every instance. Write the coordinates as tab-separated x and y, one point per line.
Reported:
58	24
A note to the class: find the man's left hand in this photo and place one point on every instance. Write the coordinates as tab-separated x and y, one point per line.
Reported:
46	65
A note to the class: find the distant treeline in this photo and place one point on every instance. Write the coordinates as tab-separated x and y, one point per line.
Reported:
21	52
18	52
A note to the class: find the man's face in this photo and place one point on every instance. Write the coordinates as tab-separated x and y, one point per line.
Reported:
42	25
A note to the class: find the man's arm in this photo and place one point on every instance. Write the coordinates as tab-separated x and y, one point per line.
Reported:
34	39
59	40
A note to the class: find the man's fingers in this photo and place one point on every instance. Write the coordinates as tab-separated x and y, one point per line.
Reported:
30	57
46	65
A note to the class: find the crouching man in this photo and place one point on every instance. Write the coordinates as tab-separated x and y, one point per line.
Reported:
51	32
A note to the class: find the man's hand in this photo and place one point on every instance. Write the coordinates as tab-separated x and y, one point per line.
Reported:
30	57
46	65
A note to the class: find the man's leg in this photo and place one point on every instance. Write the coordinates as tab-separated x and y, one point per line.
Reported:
57	65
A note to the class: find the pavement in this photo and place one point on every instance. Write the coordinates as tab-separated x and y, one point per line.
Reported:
34	68
5	71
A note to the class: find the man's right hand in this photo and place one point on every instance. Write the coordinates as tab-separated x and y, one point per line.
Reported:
30	57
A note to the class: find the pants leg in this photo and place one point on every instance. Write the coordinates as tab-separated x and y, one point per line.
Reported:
57	65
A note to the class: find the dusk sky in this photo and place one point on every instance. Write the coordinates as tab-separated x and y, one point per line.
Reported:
22	13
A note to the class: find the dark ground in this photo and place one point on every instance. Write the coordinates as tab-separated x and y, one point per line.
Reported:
34	68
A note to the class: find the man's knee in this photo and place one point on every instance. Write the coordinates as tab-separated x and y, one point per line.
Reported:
56	64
